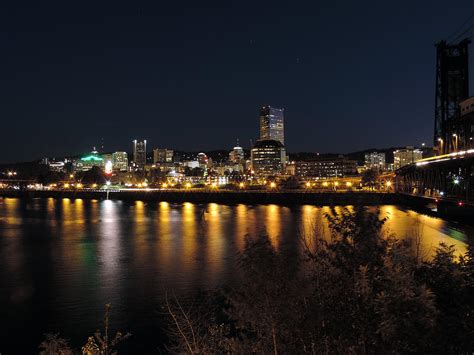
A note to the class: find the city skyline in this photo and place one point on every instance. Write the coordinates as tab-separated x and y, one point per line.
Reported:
111	73
234	177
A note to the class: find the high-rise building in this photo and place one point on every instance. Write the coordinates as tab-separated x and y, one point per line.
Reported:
120	161
162	155
237	154
268	157
272	124
409	155
139	154
375	161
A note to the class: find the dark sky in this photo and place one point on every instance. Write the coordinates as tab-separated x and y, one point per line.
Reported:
191	75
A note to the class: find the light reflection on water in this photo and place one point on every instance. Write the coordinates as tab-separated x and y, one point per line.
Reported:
62	260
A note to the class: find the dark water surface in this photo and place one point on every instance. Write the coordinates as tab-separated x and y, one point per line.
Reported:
61	261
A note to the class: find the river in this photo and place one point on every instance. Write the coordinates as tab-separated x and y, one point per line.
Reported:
62	260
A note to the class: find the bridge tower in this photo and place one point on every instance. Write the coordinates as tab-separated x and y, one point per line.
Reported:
452	87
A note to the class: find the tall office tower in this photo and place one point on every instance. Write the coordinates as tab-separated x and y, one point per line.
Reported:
268	157
120	161
237	155
272	124
162	155
139	154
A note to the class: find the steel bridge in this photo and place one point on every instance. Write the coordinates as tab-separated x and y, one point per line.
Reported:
448	176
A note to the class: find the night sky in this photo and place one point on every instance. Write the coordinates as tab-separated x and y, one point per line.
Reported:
191	75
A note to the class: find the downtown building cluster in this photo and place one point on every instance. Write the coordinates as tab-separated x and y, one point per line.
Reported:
266	160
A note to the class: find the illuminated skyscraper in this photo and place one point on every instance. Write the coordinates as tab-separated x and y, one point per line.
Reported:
268	157
139	154
162	155
272	124
237	155
120	161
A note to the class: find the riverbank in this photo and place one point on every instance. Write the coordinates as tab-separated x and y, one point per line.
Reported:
219	196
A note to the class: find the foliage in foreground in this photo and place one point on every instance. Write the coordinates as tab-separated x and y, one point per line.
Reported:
98	344
354	293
